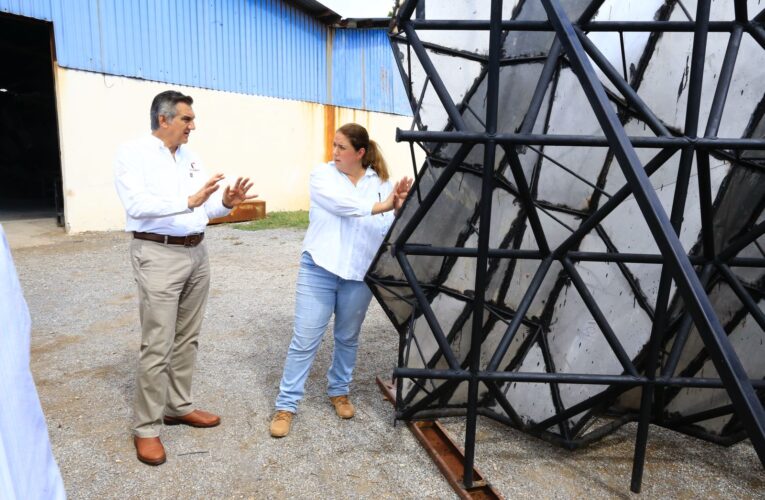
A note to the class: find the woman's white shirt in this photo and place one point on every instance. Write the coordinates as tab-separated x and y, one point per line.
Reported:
343	236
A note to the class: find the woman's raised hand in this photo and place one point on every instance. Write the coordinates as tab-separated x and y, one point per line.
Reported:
400	192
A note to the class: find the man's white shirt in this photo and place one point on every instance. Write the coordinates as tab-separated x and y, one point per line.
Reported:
343	236
154	188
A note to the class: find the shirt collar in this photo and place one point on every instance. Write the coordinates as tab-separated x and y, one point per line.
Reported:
369	172
160	144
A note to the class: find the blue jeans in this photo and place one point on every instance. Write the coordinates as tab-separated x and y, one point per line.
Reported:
319	294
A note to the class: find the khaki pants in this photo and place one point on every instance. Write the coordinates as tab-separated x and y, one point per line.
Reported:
173	282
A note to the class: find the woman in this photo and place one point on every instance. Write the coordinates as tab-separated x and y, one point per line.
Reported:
352	207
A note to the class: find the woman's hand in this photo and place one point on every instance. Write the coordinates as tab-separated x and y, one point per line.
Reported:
395	199
400	192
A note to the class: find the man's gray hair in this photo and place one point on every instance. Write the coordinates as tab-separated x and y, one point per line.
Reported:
164	105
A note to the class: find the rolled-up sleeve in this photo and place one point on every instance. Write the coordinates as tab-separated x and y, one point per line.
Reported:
336	197
214	205
138	201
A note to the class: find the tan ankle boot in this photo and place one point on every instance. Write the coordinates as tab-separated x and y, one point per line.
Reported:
280	423
343	406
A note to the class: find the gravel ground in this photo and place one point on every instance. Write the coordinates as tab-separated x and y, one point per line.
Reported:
85	341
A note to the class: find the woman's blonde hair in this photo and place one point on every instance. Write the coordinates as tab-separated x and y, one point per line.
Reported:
359	138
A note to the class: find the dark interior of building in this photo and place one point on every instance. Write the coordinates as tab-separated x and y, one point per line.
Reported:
30	165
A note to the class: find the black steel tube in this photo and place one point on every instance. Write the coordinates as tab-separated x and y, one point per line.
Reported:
433	194
517	320
743	295
647	395
758	33
549	366
676	219
599	317
430	317
545	77
416	174
624	57
741	12
419	106
700	416
438	85
525	25
705	204
746	262
748	406
570	171
578	408
484	231
632	97
505	404
510	253
723	83
524	192
742	242
440	49
683	331
566	378
596	218
405	77
405	13
577	140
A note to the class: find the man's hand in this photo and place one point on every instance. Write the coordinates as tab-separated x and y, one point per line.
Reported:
200	197
233	196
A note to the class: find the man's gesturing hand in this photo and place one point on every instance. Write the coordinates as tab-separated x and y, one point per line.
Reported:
197	199
233	196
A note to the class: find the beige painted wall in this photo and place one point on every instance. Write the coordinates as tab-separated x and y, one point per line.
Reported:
276	142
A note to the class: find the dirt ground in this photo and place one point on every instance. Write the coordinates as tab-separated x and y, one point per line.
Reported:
82	300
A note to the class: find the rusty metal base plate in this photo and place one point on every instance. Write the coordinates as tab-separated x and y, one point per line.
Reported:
249	210
445	453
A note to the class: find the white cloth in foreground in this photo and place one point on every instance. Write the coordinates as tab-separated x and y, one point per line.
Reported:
28	470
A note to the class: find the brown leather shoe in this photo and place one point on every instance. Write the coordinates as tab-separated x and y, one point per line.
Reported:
343	406
149	450
197	418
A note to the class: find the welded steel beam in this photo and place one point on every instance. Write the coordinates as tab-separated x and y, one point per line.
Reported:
577	140
566	378
592	26
747	404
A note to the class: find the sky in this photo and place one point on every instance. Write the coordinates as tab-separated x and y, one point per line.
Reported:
360	8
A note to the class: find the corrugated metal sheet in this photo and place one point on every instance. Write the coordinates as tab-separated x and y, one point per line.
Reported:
38	9
262	47
364	73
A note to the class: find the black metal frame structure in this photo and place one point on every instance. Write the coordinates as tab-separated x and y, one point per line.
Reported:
691	274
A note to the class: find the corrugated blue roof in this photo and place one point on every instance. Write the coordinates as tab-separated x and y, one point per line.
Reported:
263	47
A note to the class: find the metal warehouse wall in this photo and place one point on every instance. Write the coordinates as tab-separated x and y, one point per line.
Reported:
364	74
262	47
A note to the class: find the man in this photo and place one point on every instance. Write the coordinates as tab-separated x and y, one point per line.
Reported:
168	202
27	466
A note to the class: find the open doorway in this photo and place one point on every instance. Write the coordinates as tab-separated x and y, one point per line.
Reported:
30	161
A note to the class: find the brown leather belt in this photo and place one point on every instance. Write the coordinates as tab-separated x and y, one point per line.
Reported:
191	240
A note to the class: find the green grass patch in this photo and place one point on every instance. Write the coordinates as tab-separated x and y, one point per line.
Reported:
297	219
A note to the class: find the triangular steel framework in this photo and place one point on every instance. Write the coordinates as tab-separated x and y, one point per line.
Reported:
484	165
